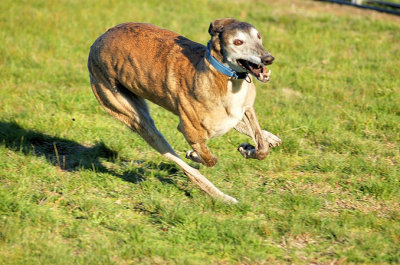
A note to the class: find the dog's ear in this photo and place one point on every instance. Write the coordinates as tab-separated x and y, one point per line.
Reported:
218	25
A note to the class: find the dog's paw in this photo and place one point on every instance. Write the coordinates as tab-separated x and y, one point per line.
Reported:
193	156
272	139
247	150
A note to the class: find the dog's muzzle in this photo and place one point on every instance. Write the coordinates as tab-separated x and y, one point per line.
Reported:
258	70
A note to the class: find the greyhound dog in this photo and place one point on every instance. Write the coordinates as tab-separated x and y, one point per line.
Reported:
209	88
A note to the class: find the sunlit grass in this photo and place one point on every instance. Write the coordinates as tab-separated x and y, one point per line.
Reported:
77	187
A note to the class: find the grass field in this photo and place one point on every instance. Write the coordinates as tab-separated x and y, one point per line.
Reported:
77	187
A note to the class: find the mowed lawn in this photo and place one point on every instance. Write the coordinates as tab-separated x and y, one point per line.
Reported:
77	187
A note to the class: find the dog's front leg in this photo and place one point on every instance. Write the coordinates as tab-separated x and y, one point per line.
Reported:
270	138
262	139
201	153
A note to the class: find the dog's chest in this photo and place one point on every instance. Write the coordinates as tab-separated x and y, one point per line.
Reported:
235	100
233	107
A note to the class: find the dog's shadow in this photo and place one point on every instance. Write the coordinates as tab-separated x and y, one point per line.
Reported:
72	156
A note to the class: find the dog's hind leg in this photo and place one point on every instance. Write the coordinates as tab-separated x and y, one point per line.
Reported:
133	111
263	139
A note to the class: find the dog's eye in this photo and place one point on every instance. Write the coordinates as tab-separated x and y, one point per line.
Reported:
259	36
238	42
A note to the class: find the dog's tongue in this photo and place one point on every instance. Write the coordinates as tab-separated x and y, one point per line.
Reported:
263	76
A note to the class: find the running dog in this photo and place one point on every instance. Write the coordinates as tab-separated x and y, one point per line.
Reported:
209	88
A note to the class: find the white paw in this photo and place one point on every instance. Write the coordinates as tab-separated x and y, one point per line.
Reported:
272	139
193	156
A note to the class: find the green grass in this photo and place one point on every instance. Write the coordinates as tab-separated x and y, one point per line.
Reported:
77	187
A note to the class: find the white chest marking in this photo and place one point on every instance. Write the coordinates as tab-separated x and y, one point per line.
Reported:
235	106
235	101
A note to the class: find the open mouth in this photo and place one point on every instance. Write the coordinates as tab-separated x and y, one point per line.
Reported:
258	70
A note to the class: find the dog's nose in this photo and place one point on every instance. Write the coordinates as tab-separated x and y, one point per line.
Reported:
268	59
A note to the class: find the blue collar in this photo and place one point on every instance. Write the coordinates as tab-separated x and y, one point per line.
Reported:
222	68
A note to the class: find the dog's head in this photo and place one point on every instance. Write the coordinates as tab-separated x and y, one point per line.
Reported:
240	45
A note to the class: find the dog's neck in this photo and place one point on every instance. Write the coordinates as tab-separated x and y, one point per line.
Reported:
221	67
